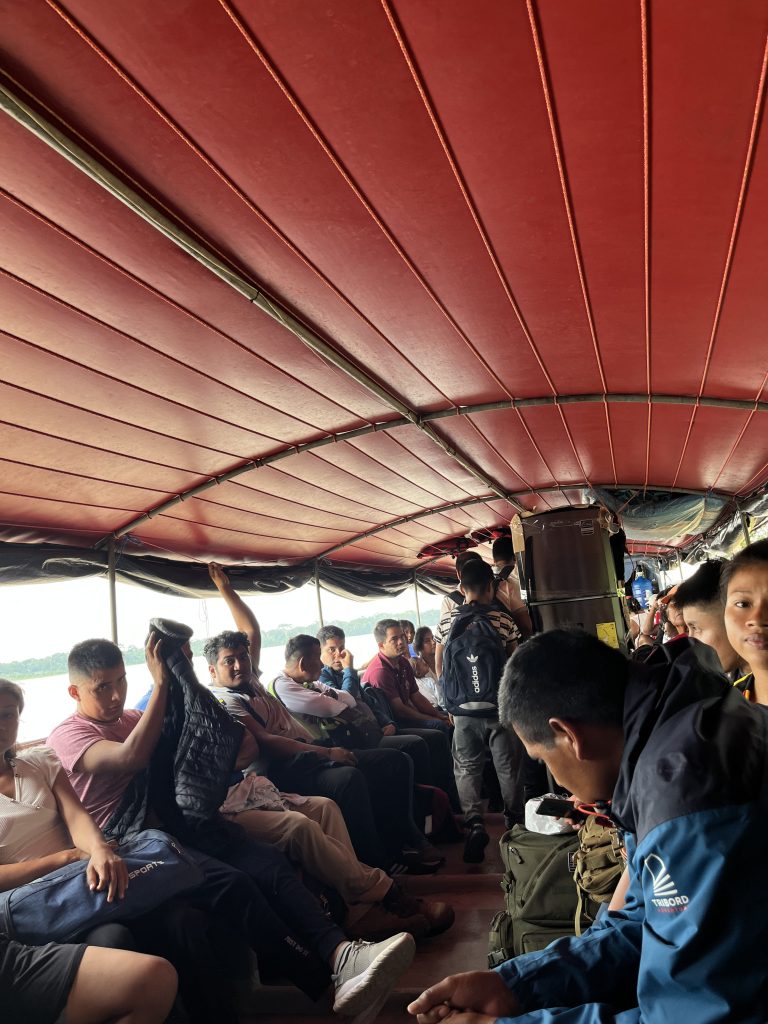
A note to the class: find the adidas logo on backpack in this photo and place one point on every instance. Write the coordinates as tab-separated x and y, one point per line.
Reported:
472	664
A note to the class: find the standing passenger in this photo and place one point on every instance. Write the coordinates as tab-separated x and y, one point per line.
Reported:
476	722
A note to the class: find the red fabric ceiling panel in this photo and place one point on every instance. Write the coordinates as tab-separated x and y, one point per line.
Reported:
592	53
202	313
714	434
705	72
495	120
499	444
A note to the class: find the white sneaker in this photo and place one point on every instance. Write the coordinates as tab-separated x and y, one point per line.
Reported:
366	972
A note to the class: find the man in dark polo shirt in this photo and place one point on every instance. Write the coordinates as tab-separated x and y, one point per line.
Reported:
391	671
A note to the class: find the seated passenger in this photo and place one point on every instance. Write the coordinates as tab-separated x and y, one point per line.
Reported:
391	671
43	826
103	746
311	831
426	748
318	708
423	665
744	584
82	984
678	759
700	601
409	632
355	783
663	621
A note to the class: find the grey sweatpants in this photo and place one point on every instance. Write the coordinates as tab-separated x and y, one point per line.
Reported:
472	737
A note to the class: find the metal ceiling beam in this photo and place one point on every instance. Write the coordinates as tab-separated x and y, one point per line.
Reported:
46	132
465	410
414	517
510	497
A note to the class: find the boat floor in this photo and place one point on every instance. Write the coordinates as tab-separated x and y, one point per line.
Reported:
475	894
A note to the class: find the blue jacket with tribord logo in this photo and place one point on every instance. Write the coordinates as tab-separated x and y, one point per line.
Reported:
691	944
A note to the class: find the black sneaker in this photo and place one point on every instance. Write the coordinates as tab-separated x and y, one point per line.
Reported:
476	842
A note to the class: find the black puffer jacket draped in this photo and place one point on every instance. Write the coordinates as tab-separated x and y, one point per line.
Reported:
187	779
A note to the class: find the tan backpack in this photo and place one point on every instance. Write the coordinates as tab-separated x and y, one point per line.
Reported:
598	865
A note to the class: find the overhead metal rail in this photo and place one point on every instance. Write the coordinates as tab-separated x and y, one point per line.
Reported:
465	410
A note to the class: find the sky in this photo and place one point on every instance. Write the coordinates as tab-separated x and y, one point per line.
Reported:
43	618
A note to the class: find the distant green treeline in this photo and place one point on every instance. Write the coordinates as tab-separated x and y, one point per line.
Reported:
56	664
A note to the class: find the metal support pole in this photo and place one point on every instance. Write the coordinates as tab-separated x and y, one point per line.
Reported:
744	525
111	559
679	565
416	594
319	600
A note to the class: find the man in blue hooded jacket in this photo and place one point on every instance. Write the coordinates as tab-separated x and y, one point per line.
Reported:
679	758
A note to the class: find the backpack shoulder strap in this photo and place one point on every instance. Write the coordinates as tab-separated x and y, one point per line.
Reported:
467	614
457	597
253	713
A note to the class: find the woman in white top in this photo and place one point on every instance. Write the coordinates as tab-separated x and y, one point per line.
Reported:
40	816
424	664
43	825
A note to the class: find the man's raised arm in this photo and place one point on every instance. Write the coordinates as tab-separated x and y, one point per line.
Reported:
245	620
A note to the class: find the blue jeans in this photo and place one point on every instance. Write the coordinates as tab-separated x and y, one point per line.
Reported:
425	723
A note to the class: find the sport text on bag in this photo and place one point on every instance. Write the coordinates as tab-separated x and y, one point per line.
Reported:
60	905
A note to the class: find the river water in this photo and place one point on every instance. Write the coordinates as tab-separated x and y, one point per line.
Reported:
46	701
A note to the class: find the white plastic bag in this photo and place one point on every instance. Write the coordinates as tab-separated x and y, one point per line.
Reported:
545	823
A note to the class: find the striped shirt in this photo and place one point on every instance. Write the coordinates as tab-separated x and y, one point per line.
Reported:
501	621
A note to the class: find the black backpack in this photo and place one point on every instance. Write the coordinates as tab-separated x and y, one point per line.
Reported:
473	662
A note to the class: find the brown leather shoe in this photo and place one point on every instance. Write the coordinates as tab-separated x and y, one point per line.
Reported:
439	915
380	923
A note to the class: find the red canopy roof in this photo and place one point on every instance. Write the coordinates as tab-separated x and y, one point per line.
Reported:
557	209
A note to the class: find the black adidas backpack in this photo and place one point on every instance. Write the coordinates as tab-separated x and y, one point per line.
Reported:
473	662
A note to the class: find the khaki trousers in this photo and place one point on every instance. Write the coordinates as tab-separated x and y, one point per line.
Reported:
315	836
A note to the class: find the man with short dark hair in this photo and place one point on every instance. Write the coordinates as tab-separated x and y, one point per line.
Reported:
391	670
287	753
388	773
700	601
678	759
477	728
456	597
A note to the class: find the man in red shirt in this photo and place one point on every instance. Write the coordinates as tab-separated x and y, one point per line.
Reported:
391	671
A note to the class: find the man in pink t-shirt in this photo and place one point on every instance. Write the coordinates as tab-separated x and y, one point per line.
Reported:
72	738
103	745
